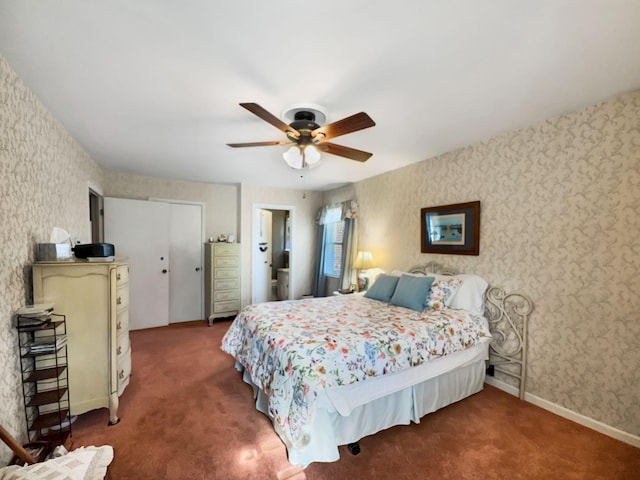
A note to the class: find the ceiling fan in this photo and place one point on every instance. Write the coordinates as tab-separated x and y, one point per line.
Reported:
308	138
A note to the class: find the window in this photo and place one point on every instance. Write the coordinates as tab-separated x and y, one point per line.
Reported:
333	237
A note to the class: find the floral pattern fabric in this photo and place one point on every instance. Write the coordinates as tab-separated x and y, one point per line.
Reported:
442	292
294	349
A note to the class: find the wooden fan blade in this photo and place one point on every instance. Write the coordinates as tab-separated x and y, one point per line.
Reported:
270	118
258	144
356	122
342	151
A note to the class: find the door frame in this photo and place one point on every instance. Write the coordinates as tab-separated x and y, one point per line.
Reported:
96	210
256	207
203	228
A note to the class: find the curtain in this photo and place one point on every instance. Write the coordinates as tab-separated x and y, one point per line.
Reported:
319	278
347	277
347	212
336	212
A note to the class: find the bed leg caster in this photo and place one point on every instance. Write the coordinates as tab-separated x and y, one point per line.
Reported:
354	448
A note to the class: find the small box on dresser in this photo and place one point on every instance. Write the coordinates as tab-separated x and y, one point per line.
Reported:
95	299
222	280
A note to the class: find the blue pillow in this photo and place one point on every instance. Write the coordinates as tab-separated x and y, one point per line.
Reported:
412	292
383	288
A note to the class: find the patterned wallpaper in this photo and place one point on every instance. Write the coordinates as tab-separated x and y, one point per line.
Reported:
44	180
560	223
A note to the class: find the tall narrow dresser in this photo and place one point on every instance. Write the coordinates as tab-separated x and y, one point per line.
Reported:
222	280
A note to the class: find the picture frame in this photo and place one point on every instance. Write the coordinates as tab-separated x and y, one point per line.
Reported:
451	229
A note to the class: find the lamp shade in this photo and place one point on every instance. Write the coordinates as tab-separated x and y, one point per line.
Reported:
294	158
311	155
364	260
299	157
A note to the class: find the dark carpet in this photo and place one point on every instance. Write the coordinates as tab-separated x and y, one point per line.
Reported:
187	414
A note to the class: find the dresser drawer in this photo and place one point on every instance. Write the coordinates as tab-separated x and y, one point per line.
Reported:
122	346
225	273
221	295
226	306
122	297
122	275
122	322
226	284
227	250
123	371
226	262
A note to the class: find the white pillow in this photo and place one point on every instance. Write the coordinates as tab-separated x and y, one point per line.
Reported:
373	273
470	295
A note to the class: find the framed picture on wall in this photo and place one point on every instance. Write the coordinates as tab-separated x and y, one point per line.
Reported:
452	229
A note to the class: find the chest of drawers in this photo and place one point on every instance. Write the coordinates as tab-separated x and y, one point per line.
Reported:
94	297
222	280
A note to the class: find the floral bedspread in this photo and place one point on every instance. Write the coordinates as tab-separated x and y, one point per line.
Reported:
294	349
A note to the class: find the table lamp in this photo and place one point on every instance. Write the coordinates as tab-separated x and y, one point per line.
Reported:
364	261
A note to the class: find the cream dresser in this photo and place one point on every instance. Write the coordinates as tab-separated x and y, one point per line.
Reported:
94	296
222	280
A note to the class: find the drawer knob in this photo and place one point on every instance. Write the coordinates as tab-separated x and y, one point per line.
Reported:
118	276
119	326
119	351
119	300
121	375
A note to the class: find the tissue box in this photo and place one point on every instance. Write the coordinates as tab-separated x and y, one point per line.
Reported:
48	252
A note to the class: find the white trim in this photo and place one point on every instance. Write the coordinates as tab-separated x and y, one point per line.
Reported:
95	188
568	414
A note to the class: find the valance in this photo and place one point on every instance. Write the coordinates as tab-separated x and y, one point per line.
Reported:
336	212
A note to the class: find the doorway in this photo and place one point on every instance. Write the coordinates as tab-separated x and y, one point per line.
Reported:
271	253
163	241
96	216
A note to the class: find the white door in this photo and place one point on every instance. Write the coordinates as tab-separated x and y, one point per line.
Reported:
185	252
139	230
262	256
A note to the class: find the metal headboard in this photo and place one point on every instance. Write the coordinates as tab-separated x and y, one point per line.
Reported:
508	316
431	267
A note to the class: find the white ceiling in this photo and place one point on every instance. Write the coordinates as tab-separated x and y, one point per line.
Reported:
152	86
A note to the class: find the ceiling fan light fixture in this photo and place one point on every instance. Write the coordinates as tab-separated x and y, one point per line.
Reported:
299	157
311	155
294	158
308	134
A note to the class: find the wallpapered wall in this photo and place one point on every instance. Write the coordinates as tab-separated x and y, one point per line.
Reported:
559	222
44	179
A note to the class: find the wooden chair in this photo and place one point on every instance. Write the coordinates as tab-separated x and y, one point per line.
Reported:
29	453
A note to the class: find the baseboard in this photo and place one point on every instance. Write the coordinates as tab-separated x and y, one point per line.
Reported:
568	414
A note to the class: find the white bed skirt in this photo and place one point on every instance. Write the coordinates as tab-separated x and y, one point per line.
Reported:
346	414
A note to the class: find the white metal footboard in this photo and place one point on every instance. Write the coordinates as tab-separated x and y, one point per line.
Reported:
508	315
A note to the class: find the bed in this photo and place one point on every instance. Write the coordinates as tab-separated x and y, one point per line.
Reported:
330	371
